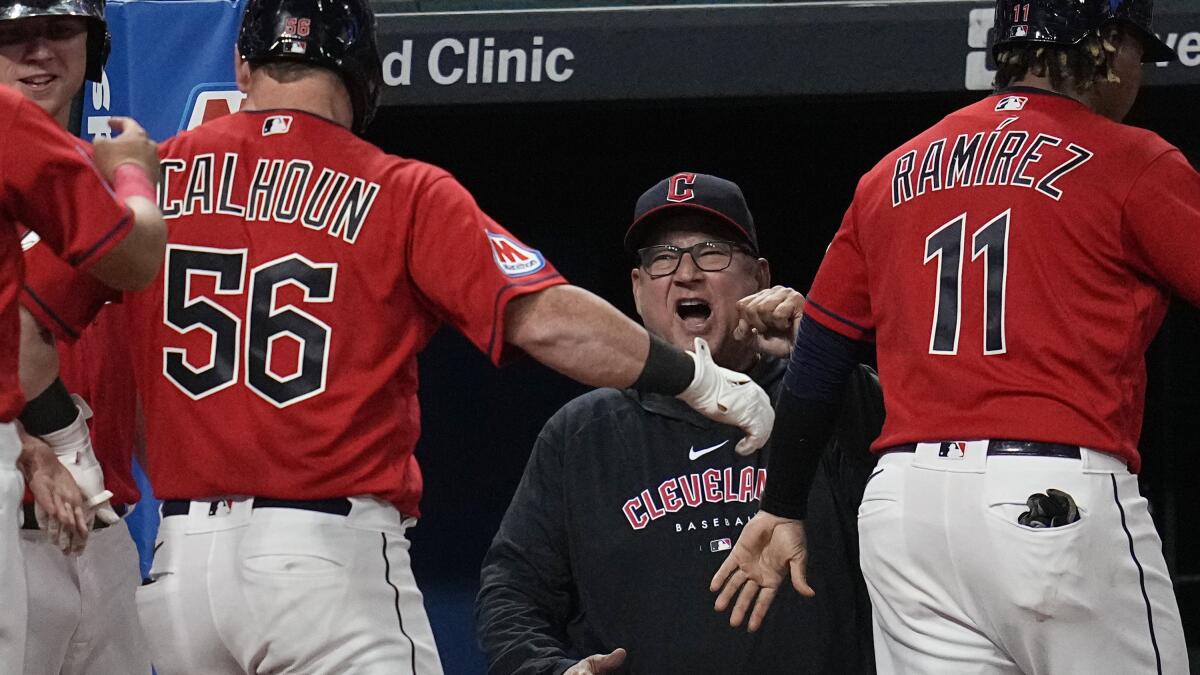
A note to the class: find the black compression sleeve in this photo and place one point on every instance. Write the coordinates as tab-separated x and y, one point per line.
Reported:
821	362
667	370
802	428
49	411
806	415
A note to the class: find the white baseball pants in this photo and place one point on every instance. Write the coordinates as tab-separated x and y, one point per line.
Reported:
958	586
82	614
12	569
281	590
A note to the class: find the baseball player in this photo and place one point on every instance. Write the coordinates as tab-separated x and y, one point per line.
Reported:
82	615
1012	263
109	234
275	360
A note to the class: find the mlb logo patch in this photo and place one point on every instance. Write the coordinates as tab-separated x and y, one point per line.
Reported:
514	259
277	124
954	450
1020	31
718	545
1009	103
298	47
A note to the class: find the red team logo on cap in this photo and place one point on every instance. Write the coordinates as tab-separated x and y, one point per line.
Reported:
513	258
679	188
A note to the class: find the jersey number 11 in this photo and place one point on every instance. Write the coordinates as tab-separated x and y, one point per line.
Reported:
946	245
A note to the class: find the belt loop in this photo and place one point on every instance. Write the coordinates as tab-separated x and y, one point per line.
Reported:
1095	461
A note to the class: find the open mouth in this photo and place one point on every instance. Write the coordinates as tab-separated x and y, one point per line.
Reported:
693	312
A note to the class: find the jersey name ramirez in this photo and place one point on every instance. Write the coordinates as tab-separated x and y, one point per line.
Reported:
1001	157
278	191
713	486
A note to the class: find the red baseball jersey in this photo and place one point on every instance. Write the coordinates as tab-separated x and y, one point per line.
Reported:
50	286
98	367
50	186
306	268
94	364
1012	264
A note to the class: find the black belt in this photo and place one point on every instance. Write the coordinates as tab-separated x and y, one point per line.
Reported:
338	506
31	522
1010	448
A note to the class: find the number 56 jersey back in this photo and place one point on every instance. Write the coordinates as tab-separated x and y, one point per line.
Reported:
305	269
1012	264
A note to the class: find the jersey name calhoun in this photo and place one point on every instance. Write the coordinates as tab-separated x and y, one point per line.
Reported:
297	290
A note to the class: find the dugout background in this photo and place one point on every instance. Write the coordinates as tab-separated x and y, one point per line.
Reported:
564	177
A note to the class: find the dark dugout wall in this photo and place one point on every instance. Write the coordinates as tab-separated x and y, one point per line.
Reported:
563	172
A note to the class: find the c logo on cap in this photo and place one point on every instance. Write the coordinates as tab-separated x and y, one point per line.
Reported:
679	187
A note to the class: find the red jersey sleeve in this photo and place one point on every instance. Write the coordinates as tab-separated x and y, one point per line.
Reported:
1162	217
468	266
63	299
839	298
56	190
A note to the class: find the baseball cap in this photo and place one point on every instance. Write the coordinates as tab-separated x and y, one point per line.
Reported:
717	197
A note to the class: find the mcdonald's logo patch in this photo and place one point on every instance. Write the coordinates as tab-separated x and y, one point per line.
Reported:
514	258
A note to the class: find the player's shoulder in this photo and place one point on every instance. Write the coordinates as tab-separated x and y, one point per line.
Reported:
329	140
882	170
1133	142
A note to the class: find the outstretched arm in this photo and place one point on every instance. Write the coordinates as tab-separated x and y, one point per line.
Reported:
585	338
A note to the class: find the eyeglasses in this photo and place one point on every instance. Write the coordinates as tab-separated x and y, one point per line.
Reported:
709	256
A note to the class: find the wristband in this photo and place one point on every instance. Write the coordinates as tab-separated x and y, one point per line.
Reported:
130	180
667	371
49	411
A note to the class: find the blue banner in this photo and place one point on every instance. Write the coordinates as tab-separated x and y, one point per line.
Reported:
171	66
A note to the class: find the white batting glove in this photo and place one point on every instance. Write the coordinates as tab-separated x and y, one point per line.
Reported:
729	397
73	446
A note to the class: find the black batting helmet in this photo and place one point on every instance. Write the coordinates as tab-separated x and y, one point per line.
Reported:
98	39
334	34
1067	22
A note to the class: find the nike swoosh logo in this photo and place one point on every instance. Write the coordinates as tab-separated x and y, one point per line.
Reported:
694	454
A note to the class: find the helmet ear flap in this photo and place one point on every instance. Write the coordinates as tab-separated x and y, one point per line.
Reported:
99	44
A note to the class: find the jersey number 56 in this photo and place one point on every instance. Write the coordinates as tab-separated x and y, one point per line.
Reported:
266	322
